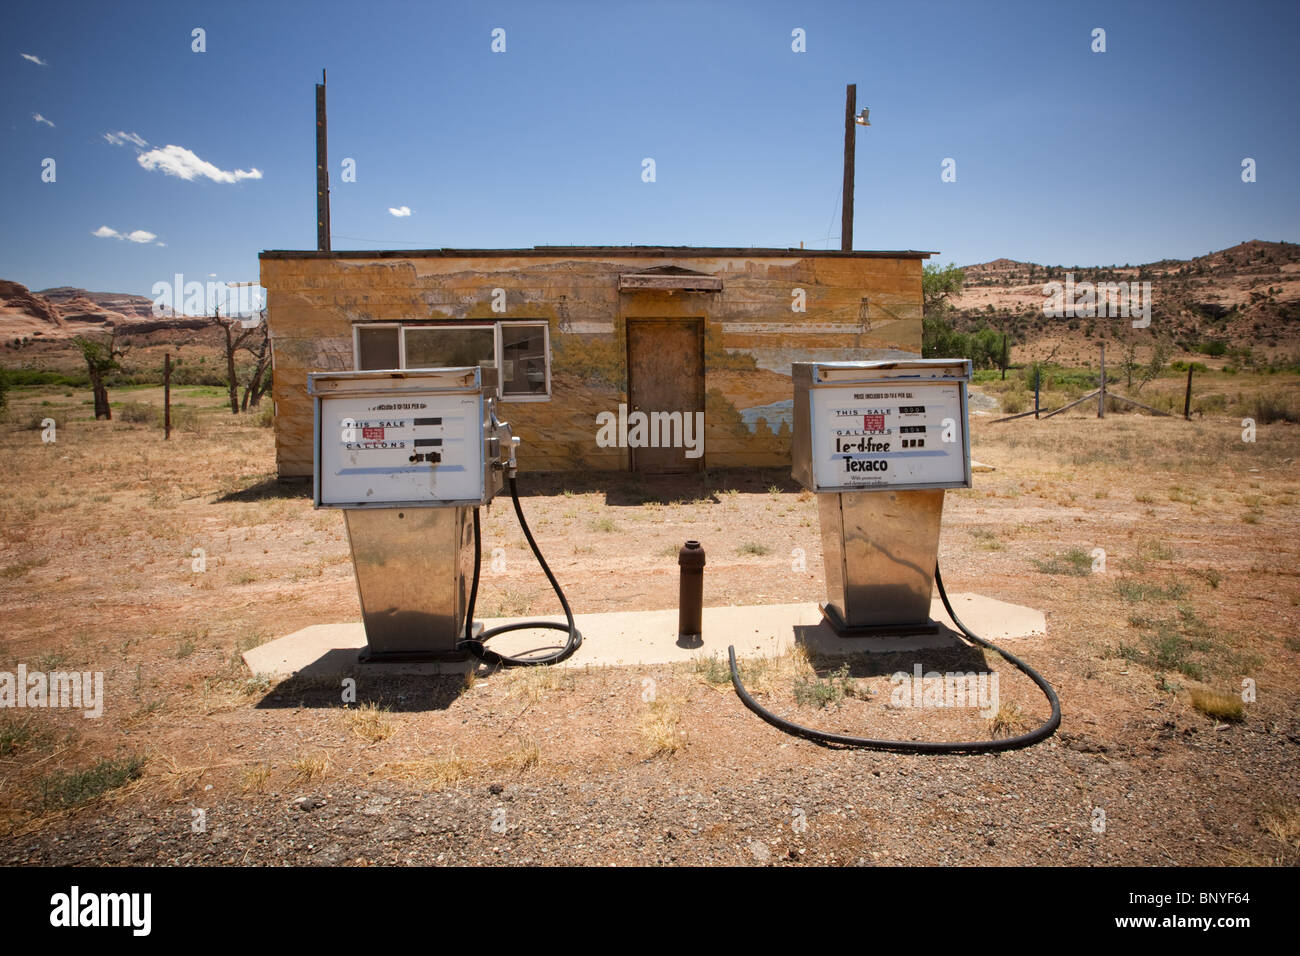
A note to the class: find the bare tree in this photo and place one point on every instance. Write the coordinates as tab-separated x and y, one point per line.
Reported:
1160	353
253	340
260	381
1130	363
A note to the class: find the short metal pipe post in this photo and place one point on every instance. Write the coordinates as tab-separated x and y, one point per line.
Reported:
691	599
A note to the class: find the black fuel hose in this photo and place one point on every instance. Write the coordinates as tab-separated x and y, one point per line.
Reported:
476	645
917	746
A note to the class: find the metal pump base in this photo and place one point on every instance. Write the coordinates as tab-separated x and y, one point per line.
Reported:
844	629
413	568
880	549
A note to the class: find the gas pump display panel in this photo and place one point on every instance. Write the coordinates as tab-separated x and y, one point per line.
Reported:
399	446
867	437
900	426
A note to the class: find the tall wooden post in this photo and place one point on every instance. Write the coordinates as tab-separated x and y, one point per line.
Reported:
1187	401
322	172
1038	374
167	396
850	141
1101	396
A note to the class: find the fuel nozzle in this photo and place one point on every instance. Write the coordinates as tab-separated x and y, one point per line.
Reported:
512	465
502	445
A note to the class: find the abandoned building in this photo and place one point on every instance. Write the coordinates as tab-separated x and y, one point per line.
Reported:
577	331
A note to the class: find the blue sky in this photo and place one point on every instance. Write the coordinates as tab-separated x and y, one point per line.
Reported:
1062	155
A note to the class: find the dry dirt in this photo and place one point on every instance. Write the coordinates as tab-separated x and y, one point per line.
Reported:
1199	590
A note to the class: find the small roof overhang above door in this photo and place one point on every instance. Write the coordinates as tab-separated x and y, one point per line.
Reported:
669	279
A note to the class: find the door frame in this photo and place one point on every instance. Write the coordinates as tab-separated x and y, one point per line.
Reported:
699	322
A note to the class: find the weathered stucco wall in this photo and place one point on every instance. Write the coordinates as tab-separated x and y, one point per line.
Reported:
751	336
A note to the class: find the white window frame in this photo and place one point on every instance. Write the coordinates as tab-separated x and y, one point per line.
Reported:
498	351
356	341
546	351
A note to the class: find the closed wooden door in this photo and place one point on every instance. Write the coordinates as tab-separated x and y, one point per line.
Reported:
665	375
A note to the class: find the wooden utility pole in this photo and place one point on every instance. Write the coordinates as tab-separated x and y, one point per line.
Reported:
167	396
322	172
1187	401
1101	394
1038	374
850	140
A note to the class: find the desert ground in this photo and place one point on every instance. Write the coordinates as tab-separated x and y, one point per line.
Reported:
198	761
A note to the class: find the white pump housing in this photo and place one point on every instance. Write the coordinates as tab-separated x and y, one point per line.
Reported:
418	438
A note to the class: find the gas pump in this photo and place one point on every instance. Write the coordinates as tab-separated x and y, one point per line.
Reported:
878	443
410	456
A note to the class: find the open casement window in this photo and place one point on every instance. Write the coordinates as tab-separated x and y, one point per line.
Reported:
520	349
525	360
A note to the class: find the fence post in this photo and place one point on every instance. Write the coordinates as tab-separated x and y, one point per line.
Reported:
1101	396
167	396
1038	374
1187	402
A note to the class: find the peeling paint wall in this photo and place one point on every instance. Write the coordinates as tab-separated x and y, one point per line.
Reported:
751	336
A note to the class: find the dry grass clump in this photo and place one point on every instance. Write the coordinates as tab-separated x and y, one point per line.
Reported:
311	767
370	722
256	777
435	773
533	683
524	755
660	726
1009	721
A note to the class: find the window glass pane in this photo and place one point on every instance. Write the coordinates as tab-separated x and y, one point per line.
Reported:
523	359
377	349
445	347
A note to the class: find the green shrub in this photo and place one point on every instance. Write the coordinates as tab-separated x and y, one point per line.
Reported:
140	414
1217	402
35	376
1014	402
1076	562
186	419
1272	406
36	417
62	790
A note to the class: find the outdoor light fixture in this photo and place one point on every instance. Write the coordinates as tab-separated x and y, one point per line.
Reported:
861	118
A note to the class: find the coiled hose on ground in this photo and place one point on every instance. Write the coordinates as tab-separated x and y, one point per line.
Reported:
476	645
917	746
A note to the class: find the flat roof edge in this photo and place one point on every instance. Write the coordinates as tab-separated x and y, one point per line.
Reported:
551	251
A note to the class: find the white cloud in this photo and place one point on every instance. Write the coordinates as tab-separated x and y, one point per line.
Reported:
181	162
120	137
32	58
400	211
41	119
138	235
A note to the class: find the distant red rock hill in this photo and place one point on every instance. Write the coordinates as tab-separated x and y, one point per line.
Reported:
65	311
